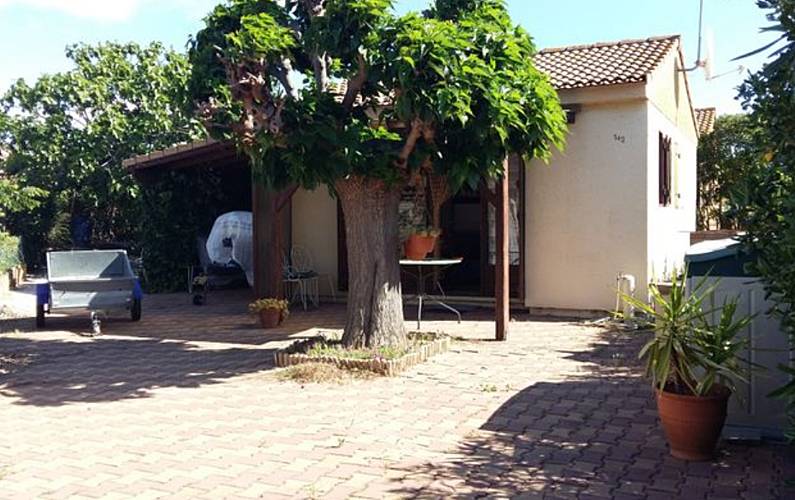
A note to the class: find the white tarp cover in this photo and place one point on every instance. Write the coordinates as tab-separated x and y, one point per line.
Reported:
235	227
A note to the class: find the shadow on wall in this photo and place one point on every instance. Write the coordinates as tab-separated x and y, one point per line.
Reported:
595	436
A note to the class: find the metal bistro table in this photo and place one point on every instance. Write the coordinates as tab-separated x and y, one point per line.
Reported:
421	276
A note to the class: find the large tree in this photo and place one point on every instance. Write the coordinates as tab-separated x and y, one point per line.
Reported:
767	204
347	94
68	133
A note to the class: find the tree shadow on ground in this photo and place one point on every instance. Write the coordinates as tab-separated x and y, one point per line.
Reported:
111	369
176	344
591	436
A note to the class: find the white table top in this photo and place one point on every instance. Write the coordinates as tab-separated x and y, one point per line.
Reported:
431	262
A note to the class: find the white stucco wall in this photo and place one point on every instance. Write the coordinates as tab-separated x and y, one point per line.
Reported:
669	112
593	212
314	219
586	210
669	227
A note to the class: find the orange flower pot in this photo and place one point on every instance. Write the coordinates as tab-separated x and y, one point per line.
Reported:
270	318
693	424
418	247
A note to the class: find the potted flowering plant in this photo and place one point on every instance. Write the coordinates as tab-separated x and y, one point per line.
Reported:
271	311
421	242
693	362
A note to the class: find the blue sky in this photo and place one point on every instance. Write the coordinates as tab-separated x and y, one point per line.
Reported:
33	33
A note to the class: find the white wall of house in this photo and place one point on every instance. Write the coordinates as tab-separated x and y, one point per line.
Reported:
593	212
669	112
314	220
586	210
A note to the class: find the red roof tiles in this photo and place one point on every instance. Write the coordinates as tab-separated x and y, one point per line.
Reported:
626	61
705	119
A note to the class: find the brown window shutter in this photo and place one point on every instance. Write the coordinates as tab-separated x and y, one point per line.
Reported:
664	169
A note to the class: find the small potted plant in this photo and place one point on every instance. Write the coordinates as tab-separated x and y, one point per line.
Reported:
421	242
271	312
693	363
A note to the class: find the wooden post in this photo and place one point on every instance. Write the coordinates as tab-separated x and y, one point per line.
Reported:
502	259
268	242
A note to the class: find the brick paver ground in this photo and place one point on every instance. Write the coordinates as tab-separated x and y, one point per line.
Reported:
187	404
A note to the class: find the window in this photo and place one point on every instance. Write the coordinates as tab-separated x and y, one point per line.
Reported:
665	170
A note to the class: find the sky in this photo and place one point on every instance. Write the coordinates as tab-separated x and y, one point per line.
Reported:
34	33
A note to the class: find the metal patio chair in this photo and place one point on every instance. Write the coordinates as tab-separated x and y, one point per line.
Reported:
302	279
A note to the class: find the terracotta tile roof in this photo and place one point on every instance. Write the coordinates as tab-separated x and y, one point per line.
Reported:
626	61
705	119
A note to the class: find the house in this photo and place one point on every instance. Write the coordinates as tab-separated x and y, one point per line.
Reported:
621	198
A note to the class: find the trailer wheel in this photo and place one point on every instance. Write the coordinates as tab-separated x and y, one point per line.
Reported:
40	322
135	310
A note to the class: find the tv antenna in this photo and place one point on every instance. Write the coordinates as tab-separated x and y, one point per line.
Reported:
706	63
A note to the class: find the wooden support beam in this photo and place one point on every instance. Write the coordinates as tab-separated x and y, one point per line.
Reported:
268	241
502	260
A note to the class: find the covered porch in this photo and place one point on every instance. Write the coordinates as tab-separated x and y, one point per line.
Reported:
484	227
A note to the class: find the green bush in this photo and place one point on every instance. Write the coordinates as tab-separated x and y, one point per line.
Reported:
766	206
178	207
9	252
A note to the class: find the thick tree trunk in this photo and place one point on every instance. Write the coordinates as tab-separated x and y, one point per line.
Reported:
375	305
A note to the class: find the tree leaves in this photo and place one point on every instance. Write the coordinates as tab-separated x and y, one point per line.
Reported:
462	71
766	202
727	158
69	132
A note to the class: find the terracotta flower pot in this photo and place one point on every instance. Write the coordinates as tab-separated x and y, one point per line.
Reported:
418	247
270	318
693	424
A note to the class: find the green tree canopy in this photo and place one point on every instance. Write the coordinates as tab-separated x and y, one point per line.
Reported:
69	132
727	158
767	204
347	94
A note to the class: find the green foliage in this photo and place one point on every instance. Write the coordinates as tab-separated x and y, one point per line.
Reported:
689	354
15	197
68	133
9	252
180	206
767	204
456	85
727	158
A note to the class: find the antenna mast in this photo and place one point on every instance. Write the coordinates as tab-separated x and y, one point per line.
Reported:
699	63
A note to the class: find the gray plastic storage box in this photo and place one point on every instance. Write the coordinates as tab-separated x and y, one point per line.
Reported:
751	411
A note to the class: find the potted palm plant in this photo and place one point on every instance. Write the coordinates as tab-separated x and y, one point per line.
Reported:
694	363
271	312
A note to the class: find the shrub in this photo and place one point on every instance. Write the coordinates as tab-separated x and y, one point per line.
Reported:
9	252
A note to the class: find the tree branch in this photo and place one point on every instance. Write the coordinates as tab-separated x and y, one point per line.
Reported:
355	84
411	142
321	71
282	73
316	8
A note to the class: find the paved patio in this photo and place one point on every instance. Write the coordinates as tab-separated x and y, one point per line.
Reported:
187	404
